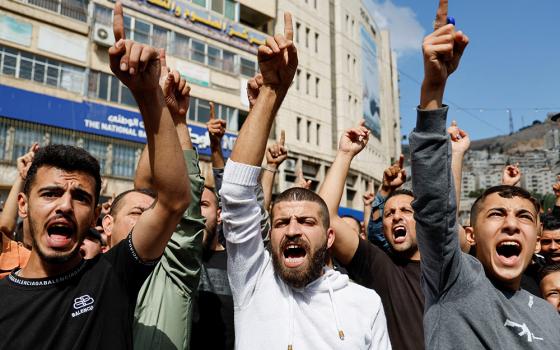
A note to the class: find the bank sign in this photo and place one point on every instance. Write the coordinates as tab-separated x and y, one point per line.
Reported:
185	14
89	117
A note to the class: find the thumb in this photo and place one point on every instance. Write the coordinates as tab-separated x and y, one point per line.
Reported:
168	84
163	60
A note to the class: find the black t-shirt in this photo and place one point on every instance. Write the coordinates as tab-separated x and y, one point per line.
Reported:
213	326
398	284
89	307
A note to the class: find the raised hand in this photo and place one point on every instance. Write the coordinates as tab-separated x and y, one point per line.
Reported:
460	141
442	52
369	196
394	176
136	65
277	153
511	175
354	140
278	59
253	86
556	187
216	127
176	90
301	181
24	162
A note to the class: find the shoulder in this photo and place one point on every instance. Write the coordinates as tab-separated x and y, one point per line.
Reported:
364	296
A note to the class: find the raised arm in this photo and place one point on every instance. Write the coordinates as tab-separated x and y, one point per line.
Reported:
9	214
138	67
275	155
367	198
511	175
432	181
351	143
460	143
241	212
556	191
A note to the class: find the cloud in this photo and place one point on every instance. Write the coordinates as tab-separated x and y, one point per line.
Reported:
405	30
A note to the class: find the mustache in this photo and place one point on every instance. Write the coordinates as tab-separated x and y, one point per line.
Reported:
69	218
294	240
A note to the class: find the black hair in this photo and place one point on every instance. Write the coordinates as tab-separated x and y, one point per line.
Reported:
504	191
115	206
399	192
298	194
67	158
550	222
548	269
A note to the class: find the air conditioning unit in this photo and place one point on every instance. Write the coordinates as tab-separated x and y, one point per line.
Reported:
103	34
290	165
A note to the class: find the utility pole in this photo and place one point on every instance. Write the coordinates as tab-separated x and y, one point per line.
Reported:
510	121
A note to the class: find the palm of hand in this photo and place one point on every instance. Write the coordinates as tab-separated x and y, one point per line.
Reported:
351	145
277	69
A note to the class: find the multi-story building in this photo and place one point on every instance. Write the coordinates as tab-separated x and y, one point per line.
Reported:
56	85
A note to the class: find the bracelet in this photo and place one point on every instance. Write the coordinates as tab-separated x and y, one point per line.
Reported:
272	170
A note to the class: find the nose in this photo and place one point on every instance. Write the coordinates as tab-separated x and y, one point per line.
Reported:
510	225
293	228
64	204
397	216
553	245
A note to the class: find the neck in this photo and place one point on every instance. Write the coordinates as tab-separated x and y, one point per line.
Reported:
38	268
215	246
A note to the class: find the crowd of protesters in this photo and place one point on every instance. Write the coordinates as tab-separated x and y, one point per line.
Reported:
180	262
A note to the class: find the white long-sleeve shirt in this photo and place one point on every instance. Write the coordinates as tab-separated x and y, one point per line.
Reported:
329	313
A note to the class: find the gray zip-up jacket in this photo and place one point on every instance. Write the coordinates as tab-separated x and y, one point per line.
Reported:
464	309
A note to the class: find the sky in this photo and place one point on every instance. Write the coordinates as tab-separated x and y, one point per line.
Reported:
512	61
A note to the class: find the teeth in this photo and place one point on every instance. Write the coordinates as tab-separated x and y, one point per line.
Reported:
515	244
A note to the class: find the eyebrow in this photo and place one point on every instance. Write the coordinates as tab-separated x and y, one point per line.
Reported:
73	190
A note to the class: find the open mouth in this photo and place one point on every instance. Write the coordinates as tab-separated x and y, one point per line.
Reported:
60	234
508	252
399	234
294	255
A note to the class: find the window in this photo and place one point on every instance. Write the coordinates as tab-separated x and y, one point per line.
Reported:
354	67
23	65
228	60
103	15
298	25
199	110
180	47
159	37
229	11
218	6
317	87
298	128
23	138
350	195
124	160
247	67
316	42
108	88
141	32
298	73
348	62
214	57
307	78
198	51
76	9
318	132
346	23
98	149
308	132
306	37
200	2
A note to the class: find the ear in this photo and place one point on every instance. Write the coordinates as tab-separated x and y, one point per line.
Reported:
538	245
107	223
219	216
469	231
22	205
330	237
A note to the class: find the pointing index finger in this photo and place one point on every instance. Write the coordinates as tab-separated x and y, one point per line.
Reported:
282	137
212	111
288	26
441	15
118	22
401	161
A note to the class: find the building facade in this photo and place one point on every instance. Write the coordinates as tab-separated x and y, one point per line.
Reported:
56	85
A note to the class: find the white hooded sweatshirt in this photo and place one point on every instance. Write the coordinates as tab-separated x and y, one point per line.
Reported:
329	313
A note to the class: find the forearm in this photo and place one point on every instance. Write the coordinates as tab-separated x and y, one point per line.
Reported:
217	155
457	171
143	176
267	182
367	214
163	140
8	217
431	96
183	135
434	205
251	142
333	186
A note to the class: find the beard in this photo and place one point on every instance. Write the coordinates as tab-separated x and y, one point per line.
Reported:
304	274
57	258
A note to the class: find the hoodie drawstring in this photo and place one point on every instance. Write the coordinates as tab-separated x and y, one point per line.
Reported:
291	320
331	294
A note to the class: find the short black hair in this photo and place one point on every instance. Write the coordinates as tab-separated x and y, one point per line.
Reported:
298	194
399	192
548	269
504	191
115	206
550	222
67	158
